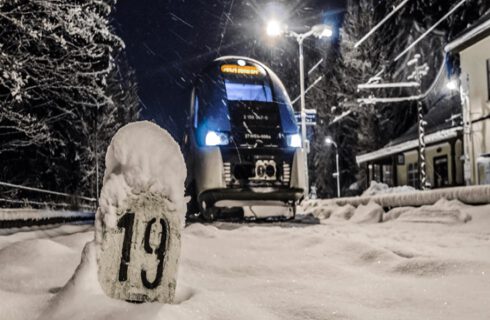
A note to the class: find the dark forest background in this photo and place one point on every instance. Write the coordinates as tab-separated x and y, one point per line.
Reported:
73	72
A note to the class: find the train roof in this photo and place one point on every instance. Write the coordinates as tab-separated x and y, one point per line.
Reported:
234	58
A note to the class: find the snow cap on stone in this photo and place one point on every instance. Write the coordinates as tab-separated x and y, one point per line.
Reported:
142	157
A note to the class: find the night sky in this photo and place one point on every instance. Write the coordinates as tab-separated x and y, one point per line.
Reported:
168	42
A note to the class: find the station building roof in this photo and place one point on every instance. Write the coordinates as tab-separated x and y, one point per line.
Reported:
476	32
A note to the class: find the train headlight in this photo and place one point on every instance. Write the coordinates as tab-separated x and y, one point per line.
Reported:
294	140
214	138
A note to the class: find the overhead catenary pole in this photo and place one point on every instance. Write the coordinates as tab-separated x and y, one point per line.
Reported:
416	76
319	31
374	100
376	27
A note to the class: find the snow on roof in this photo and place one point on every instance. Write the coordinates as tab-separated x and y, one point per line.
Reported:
471	36
408	145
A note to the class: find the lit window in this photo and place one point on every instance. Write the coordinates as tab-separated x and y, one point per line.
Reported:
238	91
413	175
388	175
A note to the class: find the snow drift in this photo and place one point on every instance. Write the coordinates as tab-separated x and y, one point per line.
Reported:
443	211
382	188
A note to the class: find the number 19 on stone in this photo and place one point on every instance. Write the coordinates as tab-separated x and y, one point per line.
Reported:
138	259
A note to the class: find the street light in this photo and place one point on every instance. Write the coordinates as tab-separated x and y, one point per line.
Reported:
452	85
274	29
329	141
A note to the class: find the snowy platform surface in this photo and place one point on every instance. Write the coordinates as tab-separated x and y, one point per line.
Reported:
330	269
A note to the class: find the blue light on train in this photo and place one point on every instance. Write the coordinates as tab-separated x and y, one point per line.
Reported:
294	140
214	138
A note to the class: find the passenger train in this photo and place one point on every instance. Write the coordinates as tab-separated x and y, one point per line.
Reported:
242	142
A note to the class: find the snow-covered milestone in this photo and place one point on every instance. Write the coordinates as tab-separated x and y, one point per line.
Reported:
140	216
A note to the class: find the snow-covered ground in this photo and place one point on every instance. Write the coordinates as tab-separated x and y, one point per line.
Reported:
417	265
376	188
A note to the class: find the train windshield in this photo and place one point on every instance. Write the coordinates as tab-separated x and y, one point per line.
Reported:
250	93
246	91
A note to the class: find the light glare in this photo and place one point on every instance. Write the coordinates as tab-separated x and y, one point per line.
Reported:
294	140
274	28
326	33
452	85
322	31
216	138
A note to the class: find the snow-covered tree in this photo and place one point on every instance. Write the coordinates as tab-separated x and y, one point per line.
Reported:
57	91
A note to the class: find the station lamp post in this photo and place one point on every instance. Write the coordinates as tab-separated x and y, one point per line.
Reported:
275	29
329	141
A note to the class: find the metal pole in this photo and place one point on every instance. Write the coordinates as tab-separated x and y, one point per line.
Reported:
421	129
303	112
96	156
338	171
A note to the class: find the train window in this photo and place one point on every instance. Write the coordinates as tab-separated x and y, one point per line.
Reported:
242	91
213	109
413	175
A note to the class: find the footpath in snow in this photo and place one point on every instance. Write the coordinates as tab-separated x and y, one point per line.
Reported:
418	264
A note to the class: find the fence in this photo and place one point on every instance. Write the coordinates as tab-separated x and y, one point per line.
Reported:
87	203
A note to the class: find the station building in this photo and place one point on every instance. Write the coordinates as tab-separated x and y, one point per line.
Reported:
473	47
457	130
397	164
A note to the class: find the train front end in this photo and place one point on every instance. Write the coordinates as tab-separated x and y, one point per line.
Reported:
243	142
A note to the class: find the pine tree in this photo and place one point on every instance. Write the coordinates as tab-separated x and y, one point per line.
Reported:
58	61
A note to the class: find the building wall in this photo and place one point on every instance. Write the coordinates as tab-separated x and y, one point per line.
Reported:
474	85
455	177
410	157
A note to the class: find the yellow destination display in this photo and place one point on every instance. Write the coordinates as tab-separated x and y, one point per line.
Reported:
236	69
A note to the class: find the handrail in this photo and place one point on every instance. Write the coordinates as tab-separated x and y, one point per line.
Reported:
6	184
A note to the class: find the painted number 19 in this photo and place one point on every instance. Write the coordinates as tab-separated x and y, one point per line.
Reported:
127	223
